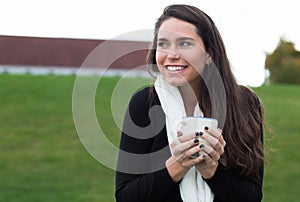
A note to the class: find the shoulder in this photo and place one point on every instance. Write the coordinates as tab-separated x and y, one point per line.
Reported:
144	97
140	104
141	97
141	94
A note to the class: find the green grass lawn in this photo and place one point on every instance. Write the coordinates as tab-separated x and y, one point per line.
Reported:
42	158
282	108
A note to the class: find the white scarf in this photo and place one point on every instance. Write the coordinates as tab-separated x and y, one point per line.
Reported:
192	187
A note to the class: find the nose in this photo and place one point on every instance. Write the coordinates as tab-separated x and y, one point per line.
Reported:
173	54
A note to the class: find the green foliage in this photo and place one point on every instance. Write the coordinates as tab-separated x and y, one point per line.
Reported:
284	63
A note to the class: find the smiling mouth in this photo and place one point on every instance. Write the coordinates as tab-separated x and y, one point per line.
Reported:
175	68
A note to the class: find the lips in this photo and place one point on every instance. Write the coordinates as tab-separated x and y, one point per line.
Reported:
175	68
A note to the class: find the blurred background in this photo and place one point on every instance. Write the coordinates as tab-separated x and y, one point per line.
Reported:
43	45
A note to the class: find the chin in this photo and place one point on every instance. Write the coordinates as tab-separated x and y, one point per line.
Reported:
175	82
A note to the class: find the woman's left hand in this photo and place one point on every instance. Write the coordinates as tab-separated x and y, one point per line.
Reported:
211	152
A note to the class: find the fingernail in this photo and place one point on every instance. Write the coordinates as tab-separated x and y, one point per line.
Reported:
195	155
206	127
204	156
198	133
201	146
196	140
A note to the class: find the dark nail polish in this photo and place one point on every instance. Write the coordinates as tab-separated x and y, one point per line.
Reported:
206	127
201	146
196	140
204	156
199	133
195	155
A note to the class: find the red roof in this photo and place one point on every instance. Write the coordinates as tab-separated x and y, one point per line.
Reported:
63	52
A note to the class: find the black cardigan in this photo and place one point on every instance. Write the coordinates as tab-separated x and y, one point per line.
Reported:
155	184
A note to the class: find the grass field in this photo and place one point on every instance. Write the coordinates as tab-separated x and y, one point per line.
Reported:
42	158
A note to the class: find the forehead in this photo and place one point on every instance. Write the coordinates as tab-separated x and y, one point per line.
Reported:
174	27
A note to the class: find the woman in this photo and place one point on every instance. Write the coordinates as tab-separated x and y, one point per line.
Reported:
193	78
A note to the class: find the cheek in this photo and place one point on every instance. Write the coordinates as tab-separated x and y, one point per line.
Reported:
160	57
195	60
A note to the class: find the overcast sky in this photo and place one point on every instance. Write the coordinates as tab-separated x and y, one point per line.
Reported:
249	28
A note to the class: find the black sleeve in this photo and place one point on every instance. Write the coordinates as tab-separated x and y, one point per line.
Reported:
137	187
228	186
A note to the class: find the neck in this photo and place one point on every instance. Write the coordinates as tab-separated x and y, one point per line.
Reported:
190	95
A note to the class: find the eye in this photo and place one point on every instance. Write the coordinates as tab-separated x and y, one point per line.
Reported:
185	43
162	44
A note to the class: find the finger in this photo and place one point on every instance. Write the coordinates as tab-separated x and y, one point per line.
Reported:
218	144
222	141
180	138
179	149
199	160
184	138
192	152
217	133
210	139
193	161
210	151
209	161
218	147
186	158
204	161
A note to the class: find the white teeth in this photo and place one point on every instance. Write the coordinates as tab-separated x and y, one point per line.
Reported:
175	68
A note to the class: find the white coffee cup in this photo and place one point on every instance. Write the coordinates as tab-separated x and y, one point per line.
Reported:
191	124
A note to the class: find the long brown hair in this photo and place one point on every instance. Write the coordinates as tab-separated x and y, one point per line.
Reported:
242	127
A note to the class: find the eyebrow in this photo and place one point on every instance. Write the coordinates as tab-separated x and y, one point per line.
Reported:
162	39
185	38
179	39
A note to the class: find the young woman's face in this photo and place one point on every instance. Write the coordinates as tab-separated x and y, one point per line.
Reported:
180	54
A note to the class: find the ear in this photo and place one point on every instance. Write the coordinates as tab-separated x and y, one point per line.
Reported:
208	59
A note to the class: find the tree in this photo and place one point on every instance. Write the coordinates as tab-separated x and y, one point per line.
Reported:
284	63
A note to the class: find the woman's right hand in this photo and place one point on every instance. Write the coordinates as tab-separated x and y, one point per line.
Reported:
181	160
